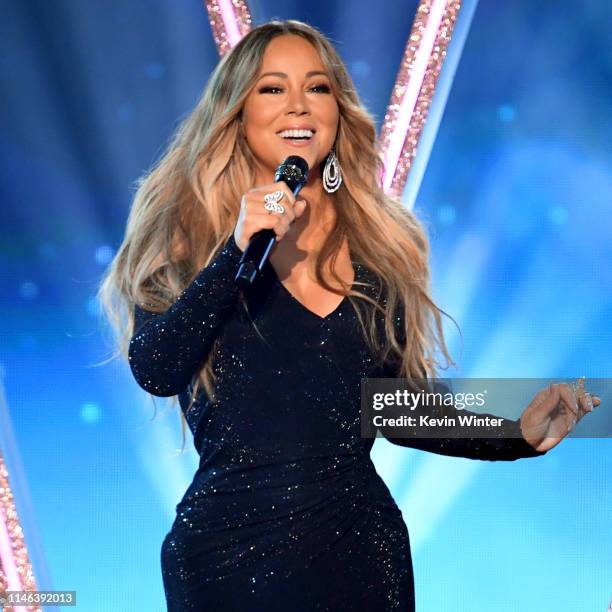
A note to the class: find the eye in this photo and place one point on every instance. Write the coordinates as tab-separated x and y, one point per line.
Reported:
321	88
273	89
270	89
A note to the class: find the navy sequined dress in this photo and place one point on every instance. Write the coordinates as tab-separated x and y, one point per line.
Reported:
286	510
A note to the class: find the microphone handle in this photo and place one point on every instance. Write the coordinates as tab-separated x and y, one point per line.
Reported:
254	257
257	252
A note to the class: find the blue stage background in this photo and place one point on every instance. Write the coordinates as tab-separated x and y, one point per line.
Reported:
516	198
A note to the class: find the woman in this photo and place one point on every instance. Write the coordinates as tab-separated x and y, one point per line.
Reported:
286	510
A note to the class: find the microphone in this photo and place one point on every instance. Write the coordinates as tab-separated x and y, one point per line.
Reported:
294	172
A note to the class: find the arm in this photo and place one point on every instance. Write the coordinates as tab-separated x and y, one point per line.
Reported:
167	348
488	449
505	444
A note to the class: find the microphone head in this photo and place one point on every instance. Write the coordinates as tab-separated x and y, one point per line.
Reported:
294	172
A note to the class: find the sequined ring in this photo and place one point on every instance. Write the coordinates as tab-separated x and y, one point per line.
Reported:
272	202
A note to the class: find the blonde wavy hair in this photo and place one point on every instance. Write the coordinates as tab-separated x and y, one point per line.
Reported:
186	207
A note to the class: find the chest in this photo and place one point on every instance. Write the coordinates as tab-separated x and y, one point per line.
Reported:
296	273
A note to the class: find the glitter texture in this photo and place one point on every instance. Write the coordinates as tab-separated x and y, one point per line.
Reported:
229	20
426	84
15	567
286	510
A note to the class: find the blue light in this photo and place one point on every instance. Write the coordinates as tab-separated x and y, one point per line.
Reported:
28	290
155	71
558	215
506	113
447	214
90	413
361	68
93	307
104	254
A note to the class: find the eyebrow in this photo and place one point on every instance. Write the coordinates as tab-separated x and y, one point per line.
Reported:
284	75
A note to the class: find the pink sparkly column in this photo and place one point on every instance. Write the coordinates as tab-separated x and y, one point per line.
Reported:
414	89
15	567
230	20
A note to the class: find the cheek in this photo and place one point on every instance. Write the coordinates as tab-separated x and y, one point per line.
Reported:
252	125
257	124
332	119
258	114
330	113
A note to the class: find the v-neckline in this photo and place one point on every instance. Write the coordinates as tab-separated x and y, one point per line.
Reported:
356	268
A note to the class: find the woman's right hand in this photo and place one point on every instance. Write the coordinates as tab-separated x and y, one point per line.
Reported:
254	217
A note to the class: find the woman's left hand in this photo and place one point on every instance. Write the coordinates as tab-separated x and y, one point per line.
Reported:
553	413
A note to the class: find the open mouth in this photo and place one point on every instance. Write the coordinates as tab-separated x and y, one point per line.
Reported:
296	136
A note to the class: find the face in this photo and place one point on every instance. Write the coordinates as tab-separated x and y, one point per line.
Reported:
292	92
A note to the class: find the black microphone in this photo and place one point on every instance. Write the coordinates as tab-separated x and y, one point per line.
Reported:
294	172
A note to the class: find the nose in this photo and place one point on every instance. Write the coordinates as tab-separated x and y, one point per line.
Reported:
297	103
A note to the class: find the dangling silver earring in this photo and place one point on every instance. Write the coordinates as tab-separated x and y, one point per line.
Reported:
332	174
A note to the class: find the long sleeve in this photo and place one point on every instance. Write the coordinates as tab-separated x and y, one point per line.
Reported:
488	449
168	348
505	444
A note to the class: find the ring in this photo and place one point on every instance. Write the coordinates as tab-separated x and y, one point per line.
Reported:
274	207
272	201
576	388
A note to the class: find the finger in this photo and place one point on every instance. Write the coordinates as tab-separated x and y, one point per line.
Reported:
583	401
541	411
551	396
300	207
282	228
264	216
545	401
289	213
274	221
570	401
567	408
289	203
288	207
587	401
255	204
595	400
282	185
569	397
263	220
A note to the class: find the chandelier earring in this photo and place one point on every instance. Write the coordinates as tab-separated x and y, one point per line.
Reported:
332	174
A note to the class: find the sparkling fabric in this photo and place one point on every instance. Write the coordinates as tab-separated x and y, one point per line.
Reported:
286	510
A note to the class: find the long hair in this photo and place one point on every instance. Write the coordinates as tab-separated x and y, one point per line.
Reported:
186	207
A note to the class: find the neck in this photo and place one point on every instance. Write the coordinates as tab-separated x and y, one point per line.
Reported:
319	204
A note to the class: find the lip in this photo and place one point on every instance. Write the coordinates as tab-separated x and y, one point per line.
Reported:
297	143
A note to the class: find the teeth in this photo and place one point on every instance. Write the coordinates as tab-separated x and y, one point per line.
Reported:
296	134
